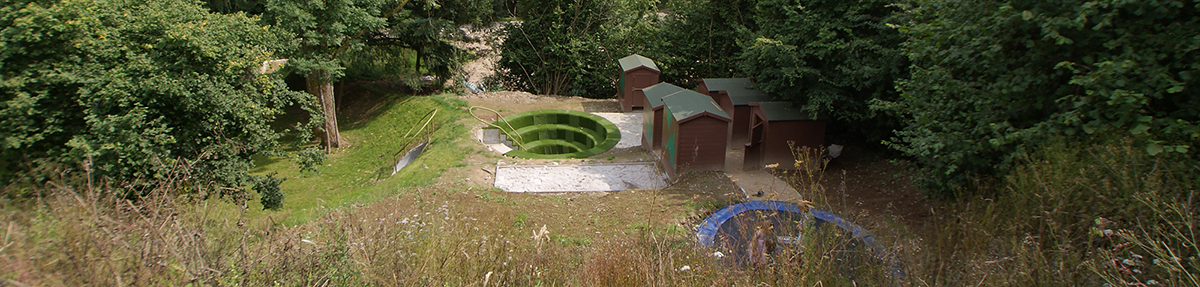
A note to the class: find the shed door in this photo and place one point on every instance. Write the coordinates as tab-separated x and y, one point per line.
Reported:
642	81
754	145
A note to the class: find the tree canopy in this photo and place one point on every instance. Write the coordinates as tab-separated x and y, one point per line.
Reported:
132	88
570	47
709	33
834	57
991	80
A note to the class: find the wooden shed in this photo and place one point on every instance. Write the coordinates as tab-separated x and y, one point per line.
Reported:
637	72
772	125
652	119
694	133
734	95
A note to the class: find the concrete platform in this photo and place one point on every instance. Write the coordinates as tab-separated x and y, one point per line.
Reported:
578	178
753	181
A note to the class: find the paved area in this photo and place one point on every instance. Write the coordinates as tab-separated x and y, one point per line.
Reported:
630	125
576	178
753	181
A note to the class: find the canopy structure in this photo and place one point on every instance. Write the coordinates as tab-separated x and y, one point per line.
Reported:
729	230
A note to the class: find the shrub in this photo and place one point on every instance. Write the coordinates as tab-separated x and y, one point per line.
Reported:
1064	214
571	47
131	87
991	80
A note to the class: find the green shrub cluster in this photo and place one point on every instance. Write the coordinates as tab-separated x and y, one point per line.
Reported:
128	88
571	47
992	80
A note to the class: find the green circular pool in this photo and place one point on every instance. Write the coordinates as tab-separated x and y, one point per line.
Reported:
548	134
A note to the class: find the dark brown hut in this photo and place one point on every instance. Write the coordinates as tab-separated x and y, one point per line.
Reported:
694	133
734	95
637	72
771	126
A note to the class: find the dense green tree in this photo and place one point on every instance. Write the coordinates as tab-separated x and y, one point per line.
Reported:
325	30
428	29
834	57
702	39
570	47
130	88
991	79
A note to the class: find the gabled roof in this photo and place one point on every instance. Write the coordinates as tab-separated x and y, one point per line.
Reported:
634	61
687	105
739	90
784	111
655	93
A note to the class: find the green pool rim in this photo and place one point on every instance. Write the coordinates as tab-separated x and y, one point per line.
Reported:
610	133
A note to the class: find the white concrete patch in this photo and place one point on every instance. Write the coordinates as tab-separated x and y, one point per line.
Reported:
575	178
630	125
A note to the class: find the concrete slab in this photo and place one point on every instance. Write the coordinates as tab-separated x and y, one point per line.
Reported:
630	125
753	181
578	178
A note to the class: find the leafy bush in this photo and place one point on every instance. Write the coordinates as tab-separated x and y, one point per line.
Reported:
133	86
701	39
268	188
993	79
834	57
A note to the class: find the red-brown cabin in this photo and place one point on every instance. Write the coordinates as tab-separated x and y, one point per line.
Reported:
652	119
772	125
694	133
637	72
734	95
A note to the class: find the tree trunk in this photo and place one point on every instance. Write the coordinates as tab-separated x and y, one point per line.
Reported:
319	84
417	67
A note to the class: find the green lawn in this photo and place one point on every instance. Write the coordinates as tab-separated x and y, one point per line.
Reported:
359	174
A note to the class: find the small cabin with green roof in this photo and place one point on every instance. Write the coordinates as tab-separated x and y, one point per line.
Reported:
652	115
772	126
637	72
694	133
734	95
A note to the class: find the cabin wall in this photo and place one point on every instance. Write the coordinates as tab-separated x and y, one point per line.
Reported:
804	133
701	144
633	81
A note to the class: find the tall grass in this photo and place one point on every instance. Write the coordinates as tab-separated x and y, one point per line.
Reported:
1065	215
78	236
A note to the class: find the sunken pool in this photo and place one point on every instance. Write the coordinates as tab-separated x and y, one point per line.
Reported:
550	134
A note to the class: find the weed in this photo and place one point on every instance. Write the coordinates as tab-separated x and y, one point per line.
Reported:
520	221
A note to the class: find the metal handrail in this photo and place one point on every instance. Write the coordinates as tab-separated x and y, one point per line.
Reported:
518	138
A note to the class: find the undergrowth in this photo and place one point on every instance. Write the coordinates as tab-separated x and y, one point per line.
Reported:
1106	214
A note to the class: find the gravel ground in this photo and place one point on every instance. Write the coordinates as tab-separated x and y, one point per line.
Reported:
575	178
630	125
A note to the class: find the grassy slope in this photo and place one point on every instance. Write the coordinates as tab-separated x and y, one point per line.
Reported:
358	174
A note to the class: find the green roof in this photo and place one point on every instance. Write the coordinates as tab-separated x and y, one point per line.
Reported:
739	90
655	93
784	111
634	61
684	105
